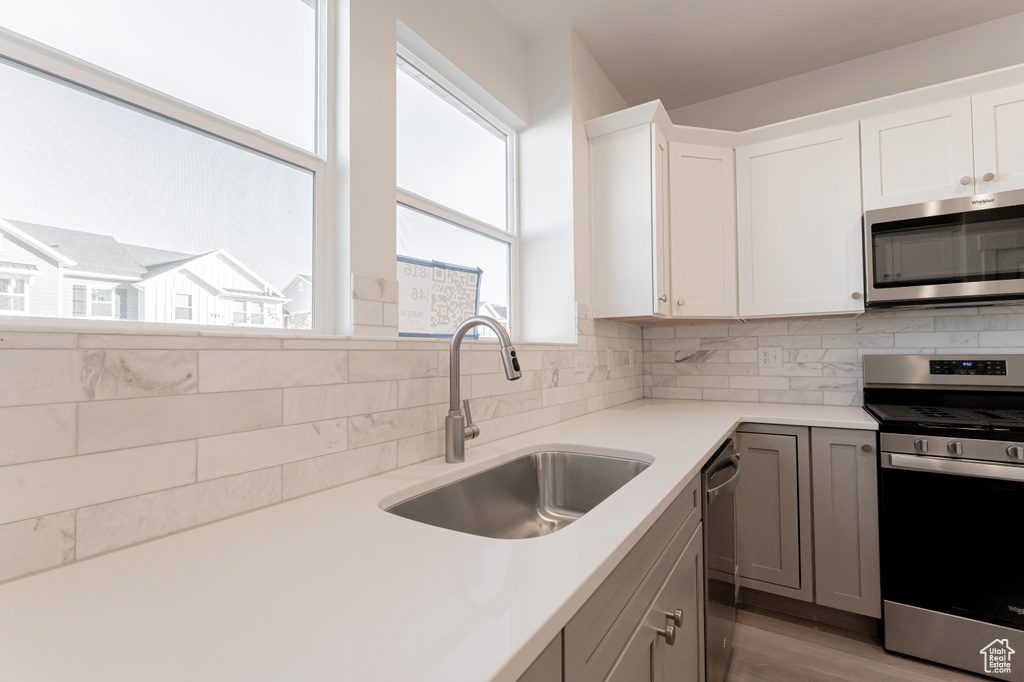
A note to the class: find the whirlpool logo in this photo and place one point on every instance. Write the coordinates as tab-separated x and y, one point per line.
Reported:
982	202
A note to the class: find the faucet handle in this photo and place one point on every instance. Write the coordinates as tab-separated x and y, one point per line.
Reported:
472	430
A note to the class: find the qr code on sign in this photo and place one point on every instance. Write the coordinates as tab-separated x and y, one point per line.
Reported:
453	294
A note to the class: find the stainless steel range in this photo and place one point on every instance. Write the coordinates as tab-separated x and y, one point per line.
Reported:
952	507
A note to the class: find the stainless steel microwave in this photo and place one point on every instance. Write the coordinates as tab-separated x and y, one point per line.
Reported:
963	251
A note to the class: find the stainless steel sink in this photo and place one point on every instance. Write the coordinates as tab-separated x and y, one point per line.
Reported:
526	497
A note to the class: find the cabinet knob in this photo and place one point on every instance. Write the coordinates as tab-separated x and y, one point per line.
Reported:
866	447
675	616
988	177
857	295
669	633
663	298
681	302
966	180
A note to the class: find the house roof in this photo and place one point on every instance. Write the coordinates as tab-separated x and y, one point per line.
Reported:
99	253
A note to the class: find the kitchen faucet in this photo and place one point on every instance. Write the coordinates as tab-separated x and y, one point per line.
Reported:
457	428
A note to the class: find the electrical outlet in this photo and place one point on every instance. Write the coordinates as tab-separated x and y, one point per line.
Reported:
579	364
769	356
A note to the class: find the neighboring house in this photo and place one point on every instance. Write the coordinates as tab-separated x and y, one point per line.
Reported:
299	308
54	272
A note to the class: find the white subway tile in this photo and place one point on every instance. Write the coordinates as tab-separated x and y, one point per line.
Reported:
330	471
367	312
317	403
118	424
379	427
36	544
38	340
937	339
369	288
252	450
112	525
1007	339
824	383
420	448
702	381
766	383
676	393
791	396
730	394
36	377
221	371
35	433
857	340
39	488
891	325
113	374
368	365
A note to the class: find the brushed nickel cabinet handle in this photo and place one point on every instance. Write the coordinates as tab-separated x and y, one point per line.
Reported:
669	633
663	298
675	616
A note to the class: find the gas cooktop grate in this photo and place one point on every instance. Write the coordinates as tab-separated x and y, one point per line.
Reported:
949	416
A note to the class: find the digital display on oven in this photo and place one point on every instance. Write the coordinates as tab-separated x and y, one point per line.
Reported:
979	367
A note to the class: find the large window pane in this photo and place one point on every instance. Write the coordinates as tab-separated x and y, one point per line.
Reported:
252	61
447	154
425	237
110	206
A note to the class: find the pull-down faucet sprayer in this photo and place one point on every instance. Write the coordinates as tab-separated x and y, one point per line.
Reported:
458	428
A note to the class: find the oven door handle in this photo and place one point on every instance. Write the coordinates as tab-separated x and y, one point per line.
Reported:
954	466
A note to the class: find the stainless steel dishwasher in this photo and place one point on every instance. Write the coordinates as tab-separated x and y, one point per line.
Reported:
719	479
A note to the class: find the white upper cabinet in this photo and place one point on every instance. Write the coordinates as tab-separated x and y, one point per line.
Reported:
702	231
629	216
999	140
798	217
952	149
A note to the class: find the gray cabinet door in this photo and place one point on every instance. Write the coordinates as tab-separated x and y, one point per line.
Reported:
648	657
768	510
846	520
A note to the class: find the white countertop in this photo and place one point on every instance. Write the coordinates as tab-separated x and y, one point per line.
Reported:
329	587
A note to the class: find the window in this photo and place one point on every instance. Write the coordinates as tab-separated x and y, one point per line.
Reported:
78	300
102	303
135	182
247	312
456	229
182	307
13	294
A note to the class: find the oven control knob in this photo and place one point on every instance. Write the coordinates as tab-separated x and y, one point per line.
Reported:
1016	451
921	444
955	447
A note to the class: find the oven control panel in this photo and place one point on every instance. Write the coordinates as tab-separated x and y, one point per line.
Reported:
979	367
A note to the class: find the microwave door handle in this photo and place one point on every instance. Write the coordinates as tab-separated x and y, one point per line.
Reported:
956	467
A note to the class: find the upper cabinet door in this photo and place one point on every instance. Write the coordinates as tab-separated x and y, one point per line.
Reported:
660	209
799	243
919	155
703	231
624	214
999	140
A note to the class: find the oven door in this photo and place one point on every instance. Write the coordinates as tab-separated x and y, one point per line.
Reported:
952	537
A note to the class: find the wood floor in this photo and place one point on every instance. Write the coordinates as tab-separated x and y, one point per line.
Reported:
772	647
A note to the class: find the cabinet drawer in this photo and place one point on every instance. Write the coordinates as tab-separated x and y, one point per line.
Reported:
599	631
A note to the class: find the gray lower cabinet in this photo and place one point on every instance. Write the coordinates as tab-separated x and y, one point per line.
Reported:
615	634
548	666
773	510
669	644
845	486
807	515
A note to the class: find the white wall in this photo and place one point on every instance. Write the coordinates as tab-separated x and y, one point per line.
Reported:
593	95
985	47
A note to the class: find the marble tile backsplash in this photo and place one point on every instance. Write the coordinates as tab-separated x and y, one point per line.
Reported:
114	439
821	357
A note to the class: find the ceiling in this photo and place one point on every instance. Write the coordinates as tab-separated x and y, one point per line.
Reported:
687	51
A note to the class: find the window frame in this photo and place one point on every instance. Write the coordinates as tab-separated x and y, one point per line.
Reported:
441	212
27	284
190	307
77	72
